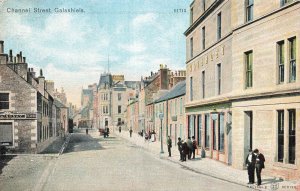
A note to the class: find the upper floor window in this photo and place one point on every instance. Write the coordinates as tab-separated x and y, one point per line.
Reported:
203	84
280	49
249	10
4	101
292	59
249	68
119	96
191	16
203	38
191	47
191	88
203	5
219	26
181	105
219	79
119	109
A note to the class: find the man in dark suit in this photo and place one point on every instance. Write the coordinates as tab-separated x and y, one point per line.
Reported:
259	165
180	148
169	143
250	163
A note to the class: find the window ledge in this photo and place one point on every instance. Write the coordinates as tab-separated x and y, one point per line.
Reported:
284	165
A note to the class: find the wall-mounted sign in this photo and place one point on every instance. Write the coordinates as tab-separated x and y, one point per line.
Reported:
10	115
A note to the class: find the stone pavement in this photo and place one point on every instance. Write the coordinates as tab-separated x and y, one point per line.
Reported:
210	167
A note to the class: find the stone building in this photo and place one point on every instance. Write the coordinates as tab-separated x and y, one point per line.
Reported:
26	118
243	81
171	104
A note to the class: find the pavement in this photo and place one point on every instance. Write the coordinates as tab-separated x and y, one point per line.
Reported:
210	167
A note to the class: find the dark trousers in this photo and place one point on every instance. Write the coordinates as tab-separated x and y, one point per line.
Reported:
190	154
183	156
258	173
180	153
193	151
169	150
251	169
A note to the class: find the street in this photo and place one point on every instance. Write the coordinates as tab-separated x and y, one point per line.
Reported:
91	162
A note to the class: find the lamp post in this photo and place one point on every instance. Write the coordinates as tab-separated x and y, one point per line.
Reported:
161	116
64	118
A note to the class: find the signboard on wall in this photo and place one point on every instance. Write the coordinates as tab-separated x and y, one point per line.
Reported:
15	116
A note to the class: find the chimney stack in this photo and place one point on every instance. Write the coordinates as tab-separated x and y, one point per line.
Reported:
21	57
1	46
18	58
10	56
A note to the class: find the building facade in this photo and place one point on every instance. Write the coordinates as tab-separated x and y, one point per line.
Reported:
243	81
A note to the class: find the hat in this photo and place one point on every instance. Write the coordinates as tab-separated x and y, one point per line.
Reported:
255	151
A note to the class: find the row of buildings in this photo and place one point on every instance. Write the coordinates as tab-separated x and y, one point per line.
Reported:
240	89
32	113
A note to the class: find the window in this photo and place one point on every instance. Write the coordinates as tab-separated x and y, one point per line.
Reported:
280	49
284	2
219	26
203	38
6	134
191	47
203	5
175	107
203	84
119	109
181	130
191	16
219	79
221	137
207	133
119	96
249	10
191	88
292	59
249	62
280	134
119	121
181	106
292	135
214	135
171	108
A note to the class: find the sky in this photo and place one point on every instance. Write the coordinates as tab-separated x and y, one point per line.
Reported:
73	49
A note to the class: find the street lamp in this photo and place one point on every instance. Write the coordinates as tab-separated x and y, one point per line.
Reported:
64	118
161	116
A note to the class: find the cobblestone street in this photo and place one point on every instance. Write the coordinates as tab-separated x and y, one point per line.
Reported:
91	162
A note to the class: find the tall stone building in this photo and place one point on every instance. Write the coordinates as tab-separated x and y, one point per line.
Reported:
243	81
26	106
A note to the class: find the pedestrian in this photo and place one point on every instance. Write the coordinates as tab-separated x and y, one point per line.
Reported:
120	129
250	163
184	151
169	143
259	165
194	146
190	147
130	132
87	131
179	144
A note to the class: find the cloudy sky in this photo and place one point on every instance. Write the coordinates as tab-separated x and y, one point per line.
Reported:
73	48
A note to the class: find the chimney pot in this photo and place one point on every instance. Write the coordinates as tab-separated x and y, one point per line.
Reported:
24	59
10	56
15	60
21	57
41	73
1	46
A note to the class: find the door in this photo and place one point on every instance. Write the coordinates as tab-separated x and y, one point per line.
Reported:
248	139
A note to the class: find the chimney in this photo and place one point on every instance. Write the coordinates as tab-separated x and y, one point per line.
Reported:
24	59
18	58
15	60
41	73
1	46
21	57
10	56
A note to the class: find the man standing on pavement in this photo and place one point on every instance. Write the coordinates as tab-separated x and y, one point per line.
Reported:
180	148
190	147
120	129
250	163
169	143
184	151
130	132
259	165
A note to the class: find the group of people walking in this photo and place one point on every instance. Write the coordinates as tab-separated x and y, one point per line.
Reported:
255	161
186	148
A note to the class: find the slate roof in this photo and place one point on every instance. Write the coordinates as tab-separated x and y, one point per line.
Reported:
176	91
105	80
57	103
